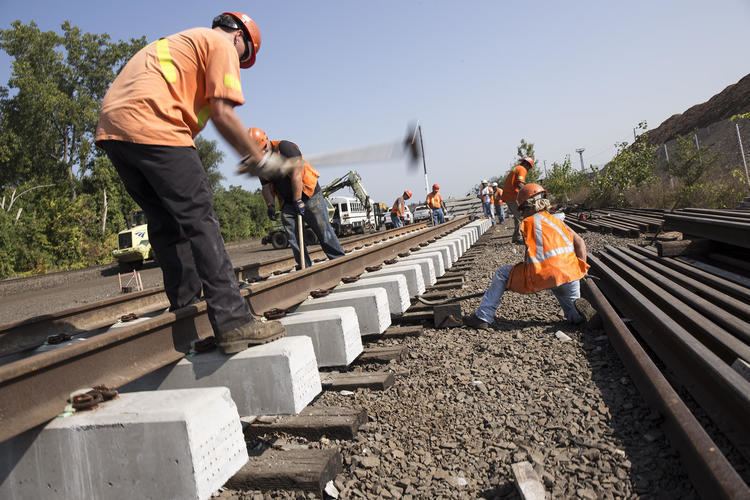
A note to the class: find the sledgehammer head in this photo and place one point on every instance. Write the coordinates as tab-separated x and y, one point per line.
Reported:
413	145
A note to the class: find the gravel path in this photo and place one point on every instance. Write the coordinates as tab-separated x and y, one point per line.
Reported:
467	404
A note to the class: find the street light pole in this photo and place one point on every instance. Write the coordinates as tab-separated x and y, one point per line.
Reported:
580	153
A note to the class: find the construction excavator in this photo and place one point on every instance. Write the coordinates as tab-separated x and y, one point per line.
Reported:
347	215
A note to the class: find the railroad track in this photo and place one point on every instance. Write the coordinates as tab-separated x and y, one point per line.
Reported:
35	389
681	311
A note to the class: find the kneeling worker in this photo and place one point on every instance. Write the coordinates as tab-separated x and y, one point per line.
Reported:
435	202
300	194
555	259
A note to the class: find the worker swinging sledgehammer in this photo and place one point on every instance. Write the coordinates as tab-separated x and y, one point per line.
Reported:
301	198
555	260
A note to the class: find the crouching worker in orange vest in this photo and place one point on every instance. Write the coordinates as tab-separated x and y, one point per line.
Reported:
555	260
299	194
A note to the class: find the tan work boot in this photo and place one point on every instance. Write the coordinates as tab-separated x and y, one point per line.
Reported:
591	319
255	332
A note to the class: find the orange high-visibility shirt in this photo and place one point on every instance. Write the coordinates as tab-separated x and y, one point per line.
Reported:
162	95
511	187
550	257
434	200
398	207
498	196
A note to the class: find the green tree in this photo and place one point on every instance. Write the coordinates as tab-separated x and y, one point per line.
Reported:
689	165
242	214
562	180
523	150
211	158
633	166
58	81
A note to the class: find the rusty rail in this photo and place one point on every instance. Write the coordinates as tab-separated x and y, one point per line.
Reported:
30	333
709	470
35	389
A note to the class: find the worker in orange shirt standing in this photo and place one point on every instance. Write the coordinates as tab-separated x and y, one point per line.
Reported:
435	202
159	102
497	197
398	210
514	181
555	260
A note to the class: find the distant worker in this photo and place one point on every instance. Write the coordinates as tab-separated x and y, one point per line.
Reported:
299	194
514	181
438	208
485	194
497	198
555	260
398	210
159	102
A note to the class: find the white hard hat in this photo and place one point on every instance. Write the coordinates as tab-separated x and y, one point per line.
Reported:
494	184
484	181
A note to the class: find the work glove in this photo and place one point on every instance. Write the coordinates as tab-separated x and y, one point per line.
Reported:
271	211
299	205
271	166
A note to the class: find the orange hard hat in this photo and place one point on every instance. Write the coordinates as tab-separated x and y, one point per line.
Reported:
528	192
407	194
436	187
260	137
529	160
248	27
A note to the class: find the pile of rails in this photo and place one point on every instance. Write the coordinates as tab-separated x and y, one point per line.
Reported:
470	205
681	307
626	222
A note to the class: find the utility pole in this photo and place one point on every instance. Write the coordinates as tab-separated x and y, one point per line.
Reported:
424	162
580	153
635	137
545	169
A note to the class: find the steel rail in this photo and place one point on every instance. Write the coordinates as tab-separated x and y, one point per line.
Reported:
723	285
683	306
35	389
30	333
722	392
708	469
733	314
733	233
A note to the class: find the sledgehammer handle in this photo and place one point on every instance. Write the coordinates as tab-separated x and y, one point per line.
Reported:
301	241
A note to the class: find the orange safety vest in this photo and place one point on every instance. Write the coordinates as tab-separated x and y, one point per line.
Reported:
309	174
498	196
434	200
398	207
550	258
510	188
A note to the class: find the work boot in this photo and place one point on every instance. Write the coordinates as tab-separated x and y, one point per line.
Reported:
475	322
254	332
587	312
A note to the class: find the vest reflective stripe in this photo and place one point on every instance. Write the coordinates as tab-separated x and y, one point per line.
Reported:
232	82
204	115
541	255
168	69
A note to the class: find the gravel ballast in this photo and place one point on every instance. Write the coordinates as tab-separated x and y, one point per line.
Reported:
468	404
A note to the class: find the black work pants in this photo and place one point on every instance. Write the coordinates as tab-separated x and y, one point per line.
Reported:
170	185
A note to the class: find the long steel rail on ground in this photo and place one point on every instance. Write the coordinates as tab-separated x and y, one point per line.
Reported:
35	389
709	470
20	336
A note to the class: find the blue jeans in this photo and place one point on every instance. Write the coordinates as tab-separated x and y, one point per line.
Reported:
487	205
566	295
316	217
437	216
500	212
396	220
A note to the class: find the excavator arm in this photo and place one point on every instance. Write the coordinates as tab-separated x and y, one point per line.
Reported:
354	181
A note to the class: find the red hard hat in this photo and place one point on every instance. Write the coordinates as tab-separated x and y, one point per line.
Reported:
529	160
407	193
252	32
435	187
259	136
529	191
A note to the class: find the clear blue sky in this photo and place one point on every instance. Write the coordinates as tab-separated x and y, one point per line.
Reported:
480	75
